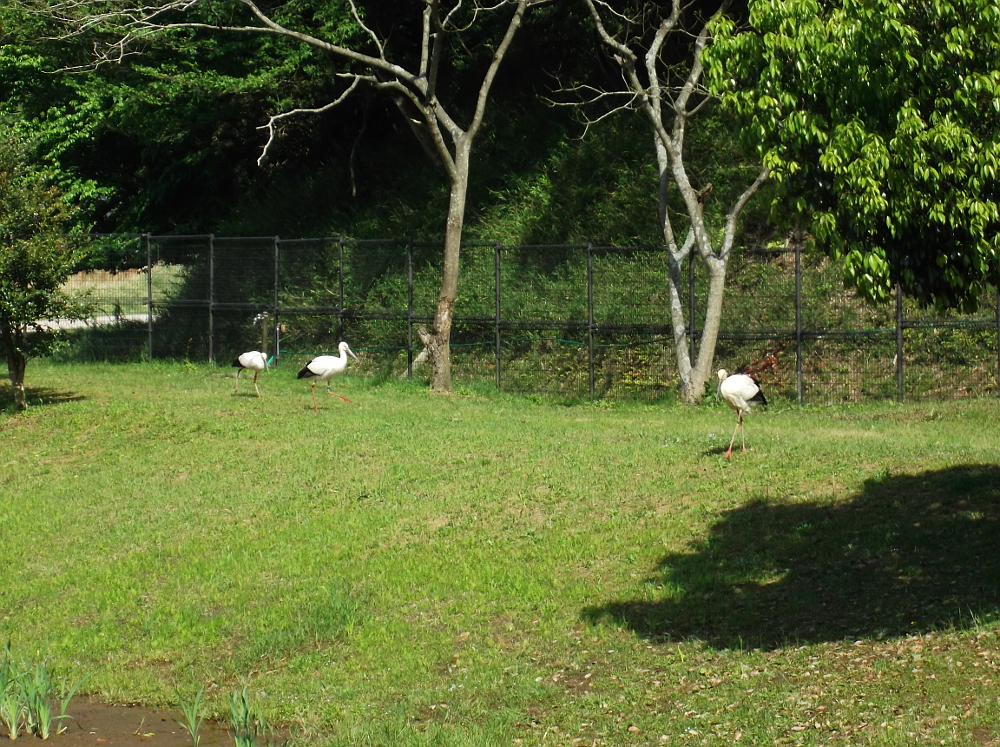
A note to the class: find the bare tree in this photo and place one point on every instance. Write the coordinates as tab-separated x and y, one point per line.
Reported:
670	95
414	89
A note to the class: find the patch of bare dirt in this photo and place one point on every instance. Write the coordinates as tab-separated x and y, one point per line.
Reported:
95	723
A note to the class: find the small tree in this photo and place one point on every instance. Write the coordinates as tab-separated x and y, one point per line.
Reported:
659	55
36	257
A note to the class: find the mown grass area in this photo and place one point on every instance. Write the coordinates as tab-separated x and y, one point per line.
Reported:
412	569
125	292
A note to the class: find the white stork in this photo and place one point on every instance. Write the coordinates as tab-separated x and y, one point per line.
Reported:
324	368
739	390
255	361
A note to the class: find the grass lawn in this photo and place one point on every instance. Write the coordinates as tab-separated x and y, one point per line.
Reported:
477	569
125	292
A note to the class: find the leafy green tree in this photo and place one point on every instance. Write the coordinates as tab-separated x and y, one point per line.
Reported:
55	113
879	120
163	142
36	257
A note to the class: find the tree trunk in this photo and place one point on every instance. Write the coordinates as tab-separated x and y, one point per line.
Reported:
690	373
16	363
437	341
682	351
702	371
695	373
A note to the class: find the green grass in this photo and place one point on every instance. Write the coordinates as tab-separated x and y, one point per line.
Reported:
127	291
476	569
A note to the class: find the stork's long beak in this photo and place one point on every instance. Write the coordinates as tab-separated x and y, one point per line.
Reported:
269	361
351	353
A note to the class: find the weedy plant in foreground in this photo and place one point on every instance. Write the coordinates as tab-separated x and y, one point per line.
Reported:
193	720
28	696
11	704
246	719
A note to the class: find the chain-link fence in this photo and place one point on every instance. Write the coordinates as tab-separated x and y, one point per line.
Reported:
575	320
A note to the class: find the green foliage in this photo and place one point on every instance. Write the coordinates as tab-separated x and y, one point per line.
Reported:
28	696
193	719
246	720
36	256
12	707
879	123
167	140
57	113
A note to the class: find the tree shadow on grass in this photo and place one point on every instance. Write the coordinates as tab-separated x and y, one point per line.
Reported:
36	396
910	553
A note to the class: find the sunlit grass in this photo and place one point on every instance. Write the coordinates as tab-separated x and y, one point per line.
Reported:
126	292
411	568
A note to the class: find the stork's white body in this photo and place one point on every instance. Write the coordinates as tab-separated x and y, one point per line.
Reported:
739	390
324	368
255	361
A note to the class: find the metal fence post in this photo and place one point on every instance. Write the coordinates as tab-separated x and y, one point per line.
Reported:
340	306
590	315
277	284
798	323
149	294
496	312
211	297
409	308
899	342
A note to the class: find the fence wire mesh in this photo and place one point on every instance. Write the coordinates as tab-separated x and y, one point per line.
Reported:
574	320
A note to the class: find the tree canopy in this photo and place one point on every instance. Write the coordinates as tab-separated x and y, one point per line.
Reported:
879	119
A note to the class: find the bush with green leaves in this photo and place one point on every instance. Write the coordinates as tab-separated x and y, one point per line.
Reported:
36	257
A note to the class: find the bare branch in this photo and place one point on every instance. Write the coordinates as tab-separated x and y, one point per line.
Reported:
587	97
734	214
612	11
652	55
698	65
284	115
446	22
425	46
498	55
621	48
141	22
374	38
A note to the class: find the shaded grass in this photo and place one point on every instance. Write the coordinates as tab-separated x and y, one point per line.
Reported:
410	568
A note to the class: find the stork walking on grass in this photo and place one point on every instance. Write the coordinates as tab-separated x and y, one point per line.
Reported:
739	390
324	368
255	361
